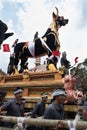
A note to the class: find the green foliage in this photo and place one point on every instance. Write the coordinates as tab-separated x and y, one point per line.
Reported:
81	76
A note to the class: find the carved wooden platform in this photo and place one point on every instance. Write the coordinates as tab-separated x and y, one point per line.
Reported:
34	83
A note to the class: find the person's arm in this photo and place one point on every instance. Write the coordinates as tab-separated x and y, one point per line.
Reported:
35	111
5	106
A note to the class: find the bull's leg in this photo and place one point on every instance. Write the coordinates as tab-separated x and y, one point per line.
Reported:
9	70
23	64
16	61
18	50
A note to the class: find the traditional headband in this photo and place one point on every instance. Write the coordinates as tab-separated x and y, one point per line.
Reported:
44	95
58	92
18	91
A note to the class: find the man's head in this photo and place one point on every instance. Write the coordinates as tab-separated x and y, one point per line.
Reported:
18	93
64	54
59	95
44	97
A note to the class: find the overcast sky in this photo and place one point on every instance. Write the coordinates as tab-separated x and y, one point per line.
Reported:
25	17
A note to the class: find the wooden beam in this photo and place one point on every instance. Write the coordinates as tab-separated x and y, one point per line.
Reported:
32	84
80	125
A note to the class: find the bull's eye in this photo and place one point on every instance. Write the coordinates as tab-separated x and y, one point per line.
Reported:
58	19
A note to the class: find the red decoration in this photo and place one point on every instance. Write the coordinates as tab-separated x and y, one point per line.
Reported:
56	53
76	59
6	48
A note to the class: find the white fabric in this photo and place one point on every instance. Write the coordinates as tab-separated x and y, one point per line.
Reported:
18	91
45	95
20	126
58	92
51	57
20	122
31	47
44	44
72	127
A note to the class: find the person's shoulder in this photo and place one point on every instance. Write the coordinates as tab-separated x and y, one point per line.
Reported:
51	106
50	109
10	101
38	104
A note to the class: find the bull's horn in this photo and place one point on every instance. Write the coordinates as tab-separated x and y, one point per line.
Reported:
57	11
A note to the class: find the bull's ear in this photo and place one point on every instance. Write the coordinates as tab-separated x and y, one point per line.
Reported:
54	15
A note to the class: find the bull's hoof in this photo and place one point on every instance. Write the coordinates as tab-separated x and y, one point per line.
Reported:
21	71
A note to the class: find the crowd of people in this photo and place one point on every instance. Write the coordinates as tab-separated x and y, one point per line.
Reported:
54	111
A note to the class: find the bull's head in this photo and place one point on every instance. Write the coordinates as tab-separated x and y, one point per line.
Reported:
58	21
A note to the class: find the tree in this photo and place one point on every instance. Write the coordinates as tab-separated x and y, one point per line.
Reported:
81	75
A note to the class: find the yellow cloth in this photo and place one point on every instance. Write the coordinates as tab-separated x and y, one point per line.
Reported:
16	72
51	67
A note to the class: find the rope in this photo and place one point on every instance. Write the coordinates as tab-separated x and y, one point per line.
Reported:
73	126
20	122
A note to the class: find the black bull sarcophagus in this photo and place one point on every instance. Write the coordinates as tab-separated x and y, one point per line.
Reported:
48	43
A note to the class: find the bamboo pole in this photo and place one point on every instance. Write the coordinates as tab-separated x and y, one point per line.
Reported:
80	125
5	128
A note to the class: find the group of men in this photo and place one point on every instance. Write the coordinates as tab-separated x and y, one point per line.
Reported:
15	107
54	111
